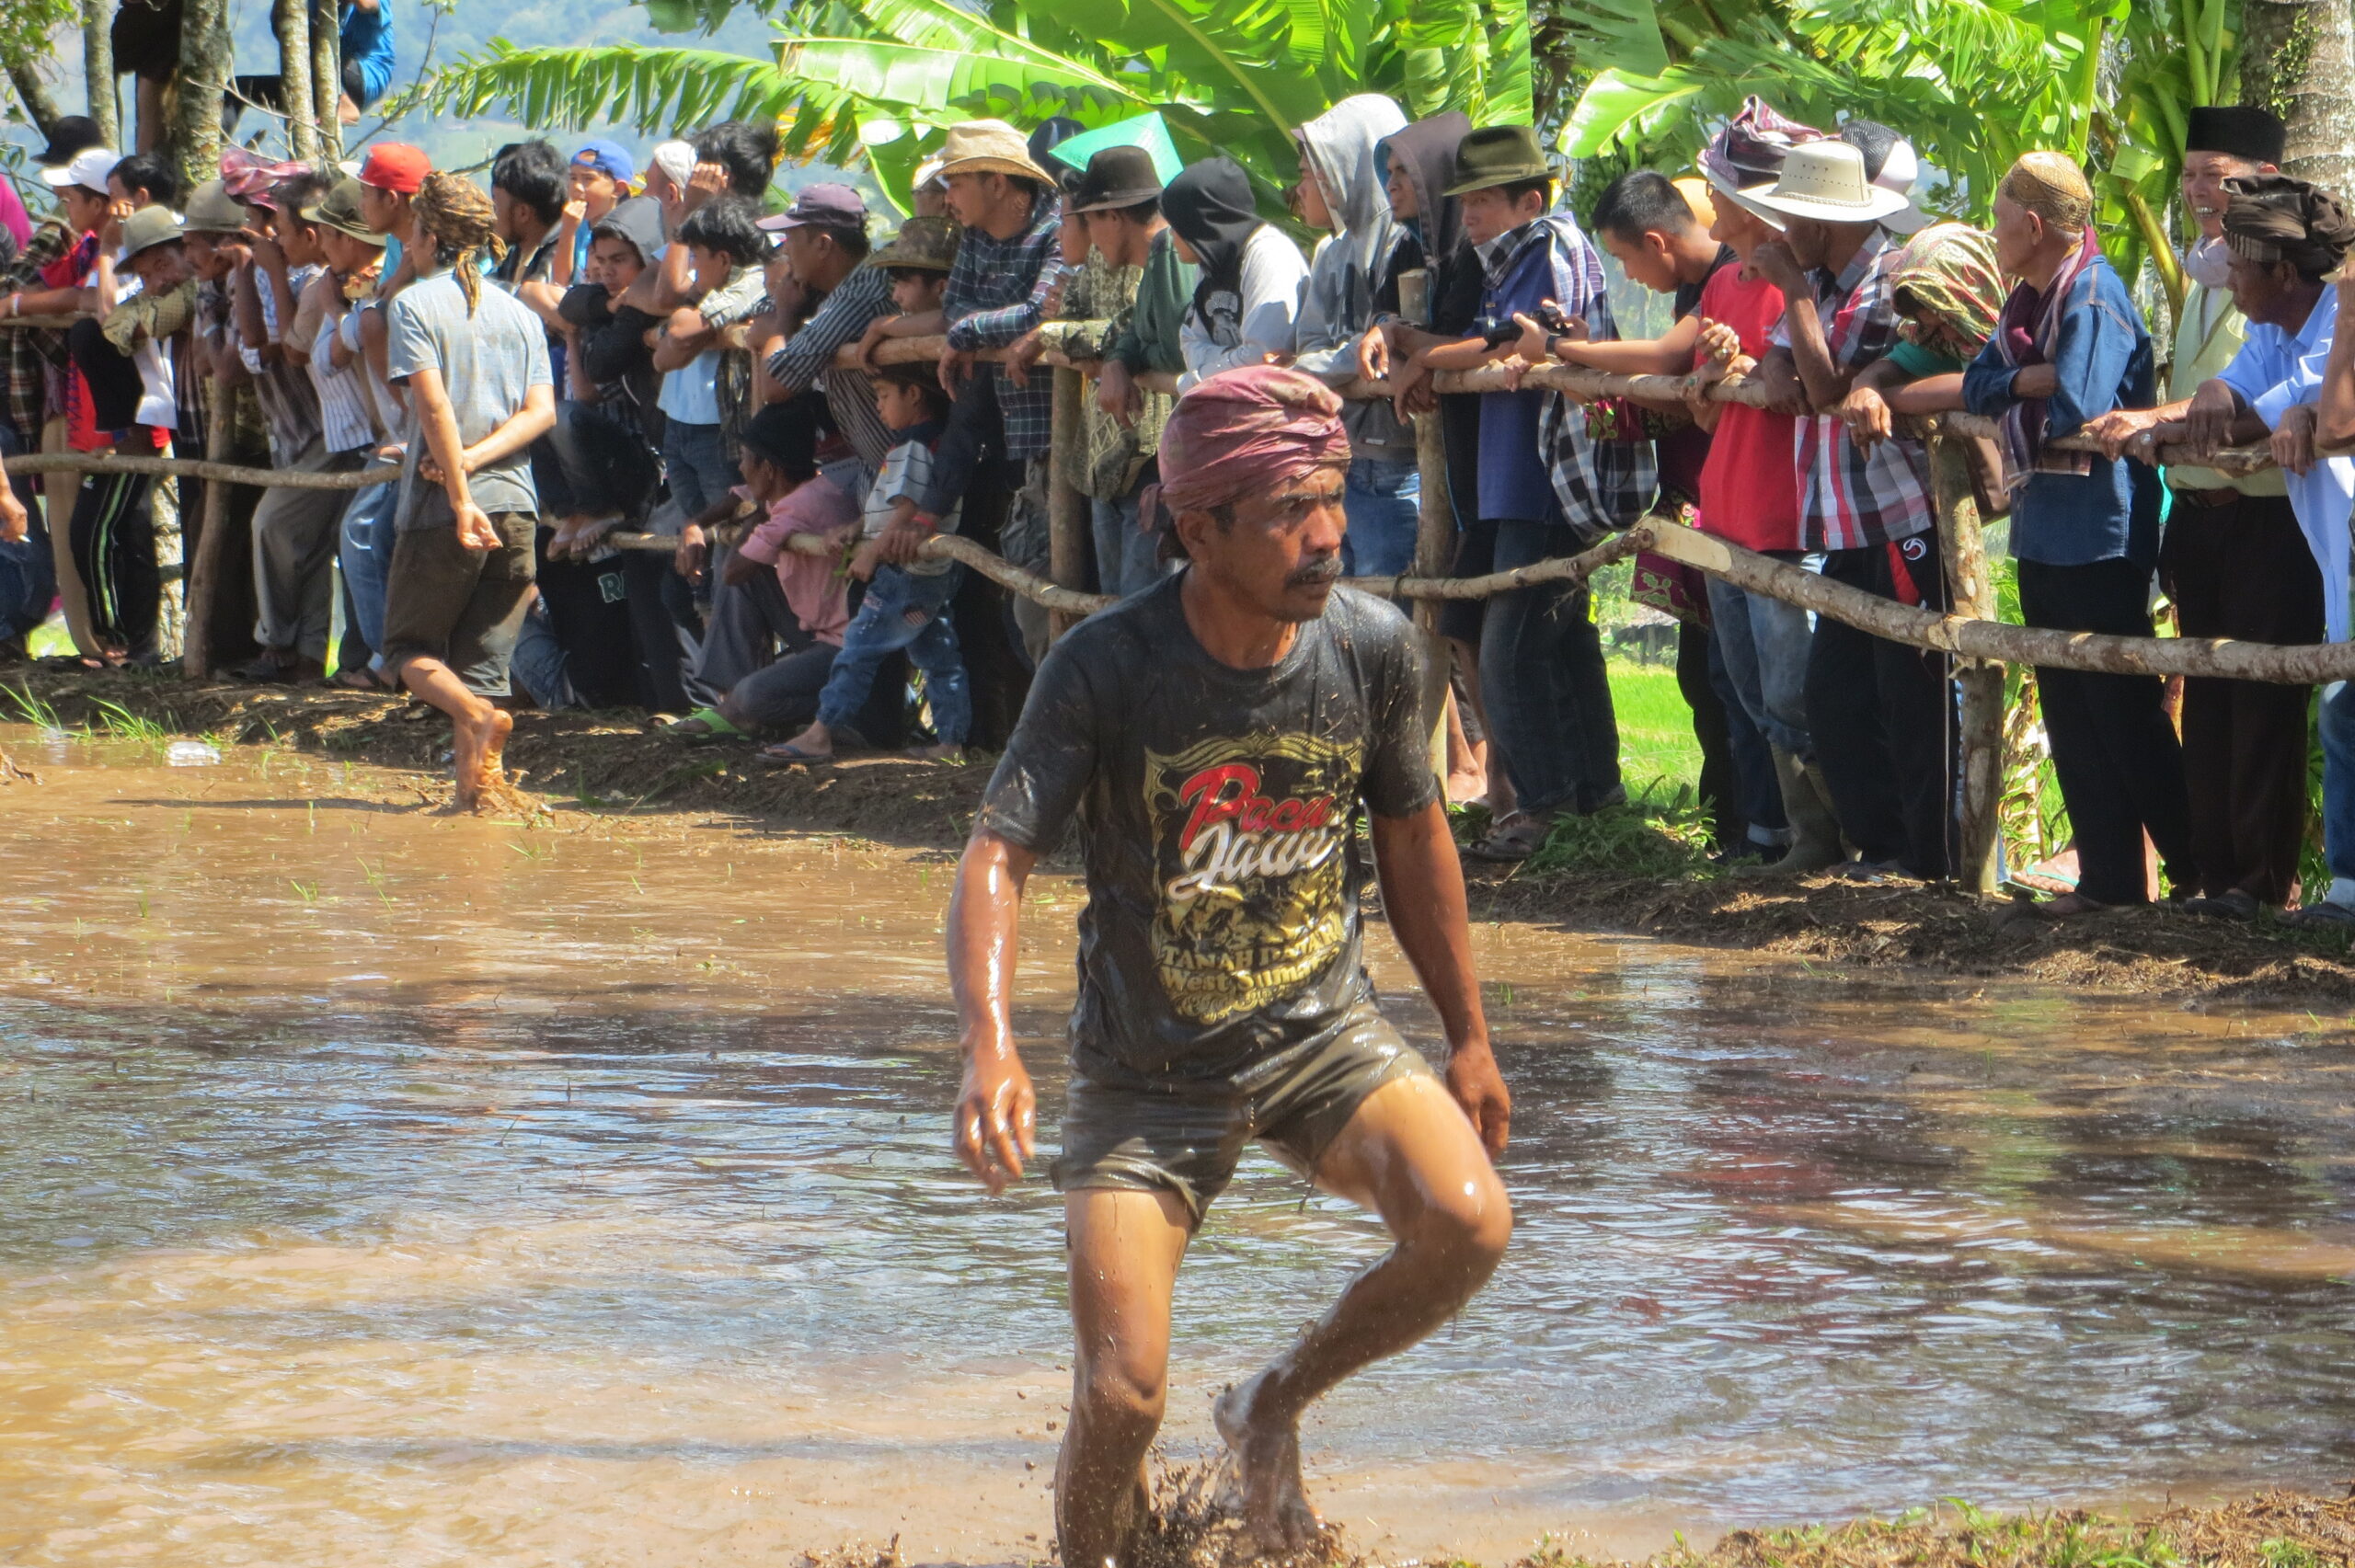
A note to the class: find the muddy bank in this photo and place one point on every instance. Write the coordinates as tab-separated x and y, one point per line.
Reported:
610	761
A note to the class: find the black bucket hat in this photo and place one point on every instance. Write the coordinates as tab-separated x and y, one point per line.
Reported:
1116	176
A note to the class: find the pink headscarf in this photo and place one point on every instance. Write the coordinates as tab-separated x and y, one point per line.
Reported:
1244	432
250	177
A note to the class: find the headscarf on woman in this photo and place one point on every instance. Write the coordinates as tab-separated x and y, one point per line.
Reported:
453	212
1946	282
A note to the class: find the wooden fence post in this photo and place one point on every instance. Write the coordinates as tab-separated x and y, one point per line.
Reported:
1067	516
203	569
1435	517
1981	683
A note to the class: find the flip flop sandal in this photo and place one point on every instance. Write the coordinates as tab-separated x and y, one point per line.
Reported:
703	727
1513	839
786	754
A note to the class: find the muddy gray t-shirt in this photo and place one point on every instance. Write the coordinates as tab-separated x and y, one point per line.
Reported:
1216	810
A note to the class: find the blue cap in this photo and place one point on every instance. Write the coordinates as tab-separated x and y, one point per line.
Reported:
608	158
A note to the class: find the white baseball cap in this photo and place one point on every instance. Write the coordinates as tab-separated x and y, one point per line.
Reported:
87	168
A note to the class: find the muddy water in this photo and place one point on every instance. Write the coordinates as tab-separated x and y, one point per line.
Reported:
381	1188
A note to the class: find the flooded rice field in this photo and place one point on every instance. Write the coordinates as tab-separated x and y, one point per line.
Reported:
378	1187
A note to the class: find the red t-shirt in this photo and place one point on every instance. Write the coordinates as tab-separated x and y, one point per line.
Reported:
78	269
1750	486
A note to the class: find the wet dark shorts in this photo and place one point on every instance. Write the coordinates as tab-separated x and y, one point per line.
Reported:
463	607
1186	1137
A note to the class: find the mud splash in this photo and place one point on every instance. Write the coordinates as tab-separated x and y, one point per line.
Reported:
385	1188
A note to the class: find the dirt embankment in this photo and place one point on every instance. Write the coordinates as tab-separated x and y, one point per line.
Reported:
609	762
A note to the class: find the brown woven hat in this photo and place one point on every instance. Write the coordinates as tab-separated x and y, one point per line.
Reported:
927	243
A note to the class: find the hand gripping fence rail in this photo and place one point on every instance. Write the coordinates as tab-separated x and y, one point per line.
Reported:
1978	642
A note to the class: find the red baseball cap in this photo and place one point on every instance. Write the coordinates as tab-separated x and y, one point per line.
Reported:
395	167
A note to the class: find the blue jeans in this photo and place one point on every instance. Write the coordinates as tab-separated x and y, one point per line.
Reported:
28	570
539	664
1764	643
1542	679
901	612
1127	560
698	463
2338	790
1753	762
366	554
1383	504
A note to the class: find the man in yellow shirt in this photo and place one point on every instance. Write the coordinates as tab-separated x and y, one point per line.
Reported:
2236	565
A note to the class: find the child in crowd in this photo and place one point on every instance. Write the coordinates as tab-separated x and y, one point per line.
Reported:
725	250
805	608
907	601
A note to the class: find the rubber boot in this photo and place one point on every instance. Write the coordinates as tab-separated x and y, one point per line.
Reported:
1815	832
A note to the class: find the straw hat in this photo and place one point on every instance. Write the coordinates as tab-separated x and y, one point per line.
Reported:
989	146
1824	181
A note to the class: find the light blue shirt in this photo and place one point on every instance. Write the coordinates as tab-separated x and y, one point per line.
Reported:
691	392
2275	372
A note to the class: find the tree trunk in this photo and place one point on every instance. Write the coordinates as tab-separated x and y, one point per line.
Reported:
97	67
292	18
33	93
194	145
2298	60
326	75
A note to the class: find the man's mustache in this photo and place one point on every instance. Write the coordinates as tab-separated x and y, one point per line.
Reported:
1326	570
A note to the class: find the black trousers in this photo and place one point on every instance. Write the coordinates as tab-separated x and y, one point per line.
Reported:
1720	786
113	539
995	669
1881	714
2118	762
2243	570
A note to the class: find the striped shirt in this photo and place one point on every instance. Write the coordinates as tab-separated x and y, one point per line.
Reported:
808	357
1851	498
346	421
289	403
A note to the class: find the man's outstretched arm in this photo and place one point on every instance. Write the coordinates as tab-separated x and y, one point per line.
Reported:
997	1111
1422	889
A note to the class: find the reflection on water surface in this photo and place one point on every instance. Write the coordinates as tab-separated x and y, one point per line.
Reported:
385	1188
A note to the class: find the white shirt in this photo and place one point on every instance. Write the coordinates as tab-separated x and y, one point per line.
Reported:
2275	372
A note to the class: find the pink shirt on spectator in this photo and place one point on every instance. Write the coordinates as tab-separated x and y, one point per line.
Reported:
815	588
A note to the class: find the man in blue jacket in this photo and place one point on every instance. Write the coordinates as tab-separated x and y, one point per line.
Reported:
2069	347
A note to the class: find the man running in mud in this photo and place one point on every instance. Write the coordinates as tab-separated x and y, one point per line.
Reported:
1213	736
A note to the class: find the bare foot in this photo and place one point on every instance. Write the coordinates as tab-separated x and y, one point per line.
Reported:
478	747
1466	786
1277	1517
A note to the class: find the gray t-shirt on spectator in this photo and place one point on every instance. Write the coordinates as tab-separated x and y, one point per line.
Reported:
1216	810
489	361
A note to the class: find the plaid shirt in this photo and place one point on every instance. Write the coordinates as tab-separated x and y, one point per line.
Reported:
28	352
807	357
1850	498
1603	484
997	291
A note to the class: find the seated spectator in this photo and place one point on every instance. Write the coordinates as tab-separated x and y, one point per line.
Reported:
599	178
1244	308
601	439
772	595
364	31
725	248
906	605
